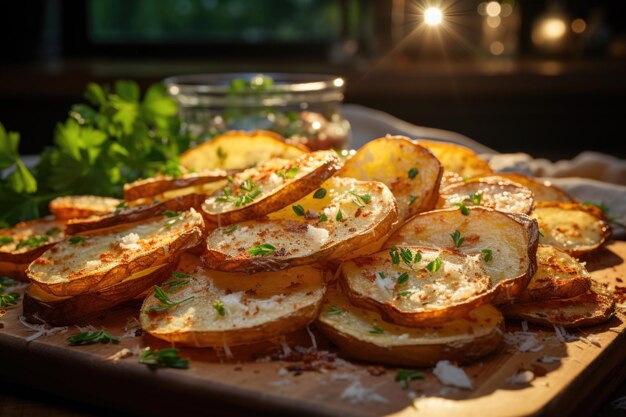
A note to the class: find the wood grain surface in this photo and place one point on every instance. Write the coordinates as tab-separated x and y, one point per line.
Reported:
256	378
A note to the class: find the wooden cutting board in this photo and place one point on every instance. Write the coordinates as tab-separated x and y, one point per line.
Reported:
589	367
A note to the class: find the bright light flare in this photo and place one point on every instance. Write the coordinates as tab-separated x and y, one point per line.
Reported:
433	16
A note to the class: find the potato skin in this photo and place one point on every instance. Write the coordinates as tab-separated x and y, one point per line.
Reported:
80	206
10	254
154	186
74	309
134	214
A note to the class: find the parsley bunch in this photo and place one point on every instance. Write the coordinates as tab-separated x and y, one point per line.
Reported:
114	138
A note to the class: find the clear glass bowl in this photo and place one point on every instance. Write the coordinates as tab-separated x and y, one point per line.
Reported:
303	108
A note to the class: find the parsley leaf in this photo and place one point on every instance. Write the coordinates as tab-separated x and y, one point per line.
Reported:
289	174
488	255
323	218
339	215
7	300
33	241
218	305
231	229
457	239
403	278
90	338
405	376
319	193
5	240
413	172
77	239
360	199
163	358
376	329
464	209
434	266
164	298
334	310
412	199
298	209
395	257
476	198
263	249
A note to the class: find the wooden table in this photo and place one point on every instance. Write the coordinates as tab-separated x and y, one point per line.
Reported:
579	385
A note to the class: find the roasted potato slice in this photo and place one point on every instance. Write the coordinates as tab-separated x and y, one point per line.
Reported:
136	213
25	241
272	185
59	311
333	222
507	242
493	192
457	158
411	172
364	335
239	150
150	187
228	309
417	286
87	264
542	190
558	276
78	206
592	307
573	227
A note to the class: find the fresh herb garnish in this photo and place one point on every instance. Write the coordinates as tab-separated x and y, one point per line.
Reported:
464	209
178	280
90	338
395	256
53	232
403	278
412	199
9	299
77	239
163	358
406	255
405	376
376	329
457	239
334	310
382	275
5	240
171	213
298	209
405	293
339	215
221	155
476	198
263	249
289	174
360	199
7	282
120	207
231	229
33	241
319	193
413	172
323	218
164	298
218	305
434	266
488	255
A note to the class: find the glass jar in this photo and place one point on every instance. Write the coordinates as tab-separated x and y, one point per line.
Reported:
303	108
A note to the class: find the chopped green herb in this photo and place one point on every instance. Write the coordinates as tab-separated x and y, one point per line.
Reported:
339	215
5	240
120	206
382	275
464	209
413	172
247	185
319	193
298	209
7	282
457	239
263	249
360	199
164	298
376	329
405	376
33	241
334	310
53	232
90	338
77	239
406	255
434	266
171	213
179	279
218	305
541	233
221	155
323	218
403	278
231	229
290	174
417	258
9	299
488	255
163	358
405	293
412	199
476	198
395	257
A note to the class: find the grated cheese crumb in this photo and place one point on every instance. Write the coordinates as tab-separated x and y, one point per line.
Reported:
130	242
451	375
356	393
521	378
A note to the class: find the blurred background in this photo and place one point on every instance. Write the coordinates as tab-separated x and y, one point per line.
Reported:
544	77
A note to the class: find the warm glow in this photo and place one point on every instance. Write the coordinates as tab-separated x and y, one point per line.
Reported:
493	8
579	26
493	21
433	16
496	48
553	28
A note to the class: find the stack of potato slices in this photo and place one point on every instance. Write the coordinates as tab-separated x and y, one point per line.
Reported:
404	253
